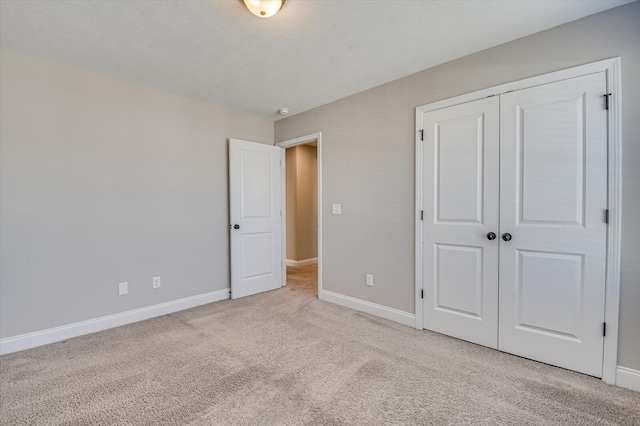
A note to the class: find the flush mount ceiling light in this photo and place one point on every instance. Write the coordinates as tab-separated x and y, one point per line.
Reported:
264	8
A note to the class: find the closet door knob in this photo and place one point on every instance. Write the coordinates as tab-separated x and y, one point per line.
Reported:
236	226
491	236
506	236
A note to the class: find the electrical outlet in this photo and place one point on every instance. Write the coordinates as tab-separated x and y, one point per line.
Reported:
123	288
336	209
156	282
370	280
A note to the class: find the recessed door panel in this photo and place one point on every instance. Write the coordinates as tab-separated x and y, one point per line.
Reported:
553	196
556	306
459	151
461	208
257	197
550	143
257	255
458	280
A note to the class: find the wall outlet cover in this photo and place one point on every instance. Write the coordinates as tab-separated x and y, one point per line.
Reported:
123	288
336	209
370	280
156	282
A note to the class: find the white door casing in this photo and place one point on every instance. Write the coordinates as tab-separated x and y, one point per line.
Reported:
289	143
461	157
255	197
553	201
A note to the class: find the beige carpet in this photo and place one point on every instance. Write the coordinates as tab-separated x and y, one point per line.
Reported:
285	357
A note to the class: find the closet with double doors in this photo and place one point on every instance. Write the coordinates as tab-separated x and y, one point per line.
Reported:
514	232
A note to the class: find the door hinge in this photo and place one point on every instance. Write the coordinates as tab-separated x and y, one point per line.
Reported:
606	100
421	134
421	214
422	294
606	216
604	329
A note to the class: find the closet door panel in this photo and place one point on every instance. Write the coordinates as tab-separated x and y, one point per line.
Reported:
553	197
460	209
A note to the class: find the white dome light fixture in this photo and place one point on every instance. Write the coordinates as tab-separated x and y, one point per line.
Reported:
264	8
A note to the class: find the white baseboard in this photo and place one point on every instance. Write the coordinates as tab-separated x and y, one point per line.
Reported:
56	334
628	378
304	262
370	308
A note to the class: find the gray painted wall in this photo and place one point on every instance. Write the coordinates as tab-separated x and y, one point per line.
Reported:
369	158
103	181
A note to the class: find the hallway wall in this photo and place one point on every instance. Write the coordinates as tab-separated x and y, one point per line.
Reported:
302	203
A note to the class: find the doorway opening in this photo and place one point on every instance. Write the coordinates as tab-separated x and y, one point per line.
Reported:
302	212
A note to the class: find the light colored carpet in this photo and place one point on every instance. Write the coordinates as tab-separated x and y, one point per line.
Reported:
285	357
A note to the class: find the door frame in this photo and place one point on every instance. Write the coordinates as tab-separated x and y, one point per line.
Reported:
612	67
290	143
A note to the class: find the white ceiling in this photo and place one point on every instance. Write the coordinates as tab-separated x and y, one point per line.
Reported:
309	54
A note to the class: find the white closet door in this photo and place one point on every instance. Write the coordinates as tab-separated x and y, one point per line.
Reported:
461	208
255	193
553	196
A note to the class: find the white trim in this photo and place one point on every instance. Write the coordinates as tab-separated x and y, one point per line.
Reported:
283	214
302	140
628	378
56	334
594	67
612	296
612	68
418	221
304	262
288	144
391	314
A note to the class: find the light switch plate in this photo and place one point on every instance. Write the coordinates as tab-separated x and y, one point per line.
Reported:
336	209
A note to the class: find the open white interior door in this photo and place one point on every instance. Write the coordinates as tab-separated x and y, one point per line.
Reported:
255	195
